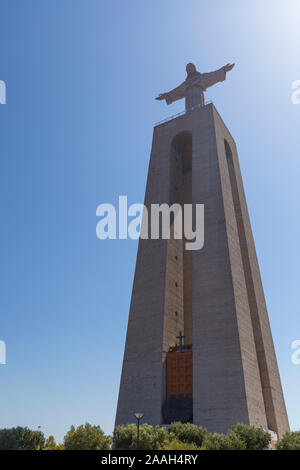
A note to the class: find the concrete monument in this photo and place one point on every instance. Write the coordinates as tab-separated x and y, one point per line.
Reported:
199	346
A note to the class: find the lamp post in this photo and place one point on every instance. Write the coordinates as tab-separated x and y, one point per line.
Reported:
138	417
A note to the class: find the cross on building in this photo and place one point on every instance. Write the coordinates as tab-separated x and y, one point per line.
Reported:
180	337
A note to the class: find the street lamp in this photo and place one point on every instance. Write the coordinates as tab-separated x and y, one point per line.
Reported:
138	417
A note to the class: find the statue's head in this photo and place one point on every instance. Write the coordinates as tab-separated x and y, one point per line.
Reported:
190	68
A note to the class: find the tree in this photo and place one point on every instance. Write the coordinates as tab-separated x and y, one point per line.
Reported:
189	433
86	437
151	438
254	438
230	441
50	443
289	441
21	439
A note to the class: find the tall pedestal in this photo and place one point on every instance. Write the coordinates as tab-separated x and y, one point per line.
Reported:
213	295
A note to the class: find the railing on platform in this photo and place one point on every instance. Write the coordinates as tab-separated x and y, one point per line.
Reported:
182	113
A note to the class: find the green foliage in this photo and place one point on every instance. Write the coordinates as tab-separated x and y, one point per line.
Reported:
151	438
21	439
175	444
50	443
160	437
124	436
190	437
254	438
181	437
59	447
189	433
86	437
230	441
290	441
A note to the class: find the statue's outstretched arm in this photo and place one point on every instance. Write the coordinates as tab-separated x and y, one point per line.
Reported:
211	78
173	95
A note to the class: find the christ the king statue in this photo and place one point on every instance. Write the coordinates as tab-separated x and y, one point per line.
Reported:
194	86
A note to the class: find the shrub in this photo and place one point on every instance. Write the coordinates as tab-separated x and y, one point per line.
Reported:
86	437
21	439
254	438
187	432
230	441
124	436
160	437
59	447
50	443
289	441
175	444
151	438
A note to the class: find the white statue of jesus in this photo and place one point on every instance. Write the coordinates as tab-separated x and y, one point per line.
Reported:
194	86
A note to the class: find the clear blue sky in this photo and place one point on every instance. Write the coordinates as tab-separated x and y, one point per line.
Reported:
76	131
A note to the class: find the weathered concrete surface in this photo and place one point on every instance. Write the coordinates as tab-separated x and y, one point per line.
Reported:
214	295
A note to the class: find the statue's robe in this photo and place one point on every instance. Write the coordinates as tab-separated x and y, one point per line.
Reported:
202	80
